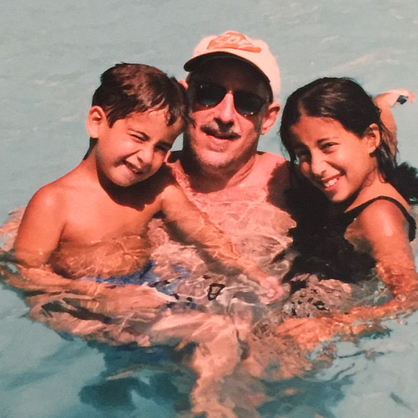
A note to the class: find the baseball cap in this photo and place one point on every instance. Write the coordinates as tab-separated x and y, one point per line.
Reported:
254	51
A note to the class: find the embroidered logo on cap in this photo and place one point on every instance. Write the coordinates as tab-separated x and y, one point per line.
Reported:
233	40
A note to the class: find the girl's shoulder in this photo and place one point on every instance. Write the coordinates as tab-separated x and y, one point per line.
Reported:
384	216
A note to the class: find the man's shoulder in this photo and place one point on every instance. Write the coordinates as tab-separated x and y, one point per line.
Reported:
269	165
271	159
267	168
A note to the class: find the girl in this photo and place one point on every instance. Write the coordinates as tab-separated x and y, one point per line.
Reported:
355	221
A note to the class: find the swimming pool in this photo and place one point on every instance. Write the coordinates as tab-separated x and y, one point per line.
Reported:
51	57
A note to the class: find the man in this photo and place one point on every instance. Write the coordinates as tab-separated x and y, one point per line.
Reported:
233	83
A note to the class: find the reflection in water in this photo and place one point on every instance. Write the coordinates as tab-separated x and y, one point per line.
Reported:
152	373
213	348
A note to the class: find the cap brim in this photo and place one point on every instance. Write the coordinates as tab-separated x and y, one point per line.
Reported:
195	63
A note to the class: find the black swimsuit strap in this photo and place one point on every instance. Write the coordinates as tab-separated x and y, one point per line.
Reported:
353	213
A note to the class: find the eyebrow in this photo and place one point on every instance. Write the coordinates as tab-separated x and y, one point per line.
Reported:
137	132
319	141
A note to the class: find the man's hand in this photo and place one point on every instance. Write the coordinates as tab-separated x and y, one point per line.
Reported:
274	291
384	102
394	98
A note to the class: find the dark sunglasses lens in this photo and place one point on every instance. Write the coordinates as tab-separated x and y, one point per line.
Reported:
247	103
209	94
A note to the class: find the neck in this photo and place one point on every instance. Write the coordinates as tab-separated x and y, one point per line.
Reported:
374	186
206	178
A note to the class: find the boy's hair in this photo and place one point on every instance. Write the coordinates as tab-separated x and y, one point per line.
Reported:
345	101
128	88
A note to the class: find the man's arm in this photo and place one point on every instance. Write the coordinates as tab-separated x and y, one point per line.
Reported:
385	101
196	225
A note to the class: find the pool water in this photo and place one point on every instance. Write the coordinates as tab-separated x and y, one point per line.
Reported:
52	53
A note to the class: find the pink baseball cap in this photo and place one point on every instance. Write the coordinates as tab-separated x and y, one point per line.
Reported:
254	51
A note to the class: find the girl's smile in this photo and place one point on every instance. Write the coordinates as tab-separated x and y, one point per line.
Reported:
336	161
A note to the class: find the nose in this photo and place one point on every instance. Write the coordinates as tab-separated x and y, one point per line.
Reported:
225	111
145	155
317	165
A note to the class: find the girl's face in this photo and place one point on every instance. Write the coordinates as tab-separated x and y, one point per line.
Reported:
336	161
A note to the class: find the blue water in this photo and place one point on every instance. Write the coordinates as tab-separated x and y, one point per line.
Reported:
51	55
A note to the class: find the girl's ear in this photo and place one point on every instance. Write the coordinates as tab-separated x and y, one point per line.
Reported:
373	137
95	118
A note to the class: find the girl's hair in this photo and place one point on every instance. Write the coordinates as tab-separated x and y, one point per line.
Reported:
345	101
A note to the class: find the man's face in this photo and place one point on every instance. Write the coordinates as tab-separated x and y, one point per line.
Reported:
222	138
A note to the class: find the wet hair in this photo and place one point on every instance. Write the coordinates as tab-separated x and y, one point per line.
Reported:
345	101
128	88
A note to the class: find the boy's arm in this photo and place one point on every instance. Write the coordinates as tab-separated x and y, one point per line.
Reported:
41	227
197	226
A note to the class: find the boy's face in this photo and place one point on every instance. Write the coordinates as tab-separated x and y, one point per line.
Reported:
134	148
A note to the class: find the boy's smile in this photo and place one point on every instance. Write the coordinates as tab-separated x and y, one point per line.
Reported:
134	148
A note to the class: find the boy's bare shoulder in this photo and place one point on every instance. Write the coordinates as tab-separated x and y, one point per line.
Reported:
55	194
50	194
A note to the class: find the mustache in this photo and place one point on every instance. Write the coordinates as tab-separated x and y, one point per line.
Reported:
216	130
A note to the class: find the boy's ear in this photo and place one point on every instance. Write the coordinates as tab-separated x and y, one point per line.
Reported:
95	118
373	137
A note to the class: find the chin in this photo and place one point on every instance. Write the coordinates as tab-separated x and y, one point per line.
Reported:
125	183
219	163
337	199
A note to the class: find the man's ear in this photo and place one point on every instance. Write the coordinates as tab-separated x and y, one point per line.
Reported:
95	118
270	117
373	137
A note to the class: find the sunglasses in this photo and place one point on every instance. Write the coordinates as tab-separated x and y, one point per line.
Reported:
210	95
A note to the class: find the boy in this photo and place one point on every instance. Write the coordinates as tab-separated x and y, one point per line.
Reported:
92	222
